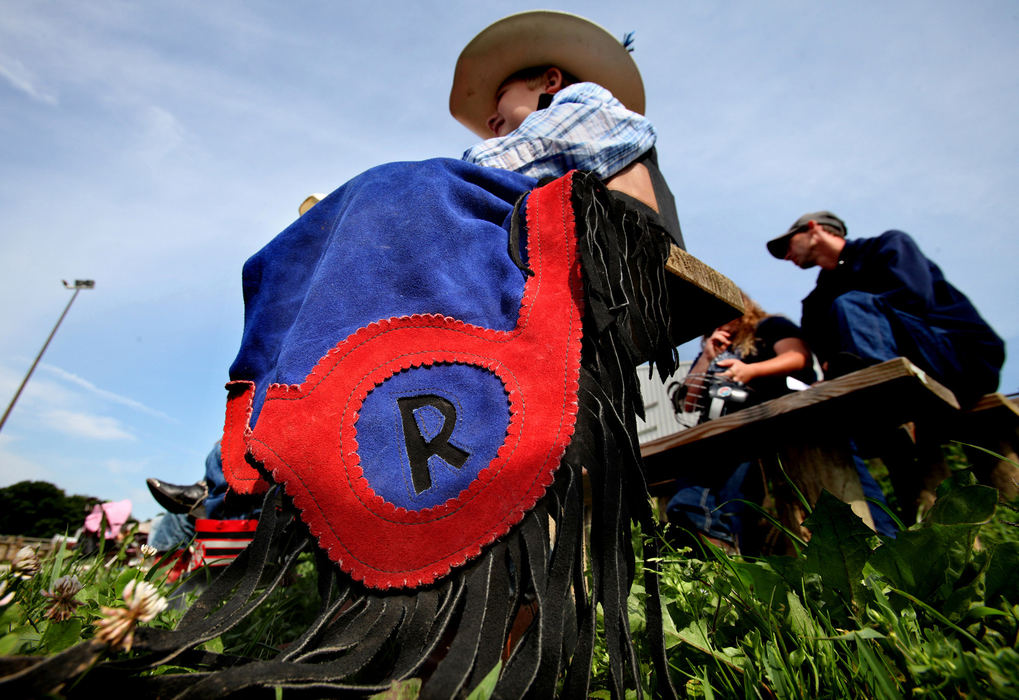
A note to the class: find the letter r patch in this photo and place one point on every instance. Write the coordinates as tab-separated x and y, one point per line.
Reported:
421	448
417	441
425	433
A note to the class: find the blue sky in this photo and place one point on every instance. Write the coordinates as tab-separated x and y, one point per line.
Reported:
153	147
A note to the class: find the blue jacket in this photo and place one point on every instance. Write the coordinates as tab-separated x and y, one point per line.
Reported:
892	267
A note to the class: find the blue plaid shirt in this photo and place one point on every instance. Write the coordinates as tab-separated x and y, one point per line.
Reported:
585	128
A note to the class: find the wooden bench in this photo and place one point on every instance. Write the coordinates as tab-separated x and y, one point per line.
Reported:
989	433
992	424
702	298
809	430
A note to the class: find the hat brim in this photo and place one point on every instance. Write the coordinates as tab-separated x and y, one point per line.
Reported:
539	38
778	247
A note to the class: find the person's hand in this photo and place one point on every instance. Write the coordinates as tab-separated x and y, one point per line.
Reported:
737	370
717	343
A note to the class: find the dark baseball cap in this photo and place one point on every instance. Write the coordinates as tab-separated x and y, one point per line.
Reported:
779	246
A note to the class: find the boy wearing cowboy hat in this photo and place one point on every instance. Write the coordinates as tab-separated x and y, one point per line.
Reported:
550	92
553	92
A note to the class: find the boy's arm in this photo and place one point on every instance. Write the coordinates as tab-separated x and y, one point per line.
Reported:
584	128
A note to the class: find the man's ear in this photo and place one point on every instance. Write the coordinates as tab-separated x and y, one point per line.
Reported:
553	81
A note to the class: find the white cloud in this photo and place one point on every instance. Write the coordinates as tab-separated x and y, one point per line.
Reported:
39	391
21	78
103	393
86	425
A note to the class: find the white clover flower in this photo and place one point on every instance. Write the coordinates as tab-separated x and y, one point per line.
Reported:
25	564
62	596
148	551
118	624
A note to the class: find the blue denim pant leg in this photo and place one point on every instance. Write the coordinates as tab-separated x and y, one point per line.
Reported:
217	505
933	350
716	512
883	522
171	532
216	482
863	326
867	326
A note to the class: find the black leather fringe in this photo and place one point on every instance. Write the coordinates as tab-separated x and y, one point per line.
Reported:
540	579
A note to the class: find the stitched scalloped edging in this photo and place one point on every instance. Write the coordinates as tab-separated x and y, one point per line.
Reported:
306	435
241	477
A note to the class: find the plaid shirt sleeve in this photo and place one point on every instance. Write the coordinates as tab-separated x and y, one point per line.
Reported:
585	128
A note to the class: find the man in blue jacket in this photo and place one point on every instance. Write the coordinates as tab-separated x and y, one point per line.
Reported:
880	298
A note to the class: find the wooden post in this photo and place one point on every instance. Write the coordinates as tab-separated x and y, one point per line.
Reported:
813	468
993	423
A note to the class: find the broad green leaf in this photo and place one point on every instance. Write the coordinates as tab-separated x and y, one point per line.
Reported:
789	568
126	575
960	600
965	505
11	615
762	582
839	547
800	619
62	635
9	643
671	634
696	635
860	634
1002	578
927	562
635	610
22	640
980	611
214	645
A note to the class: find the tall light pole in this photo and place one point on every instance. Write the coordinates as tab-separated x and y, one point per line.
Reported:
77	287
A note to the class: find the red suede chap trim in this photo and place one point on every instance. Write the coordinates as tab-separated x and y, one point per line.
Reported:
240	476
306	435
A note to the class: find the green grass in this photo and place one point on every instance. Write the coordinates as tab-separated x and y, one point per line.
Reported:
854	615
927	614
26	627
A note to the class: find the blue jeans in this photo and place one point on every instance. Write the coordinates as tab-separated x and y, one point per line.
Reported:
716	512
719	512
883	522
217	506
171	532
867	326
216	482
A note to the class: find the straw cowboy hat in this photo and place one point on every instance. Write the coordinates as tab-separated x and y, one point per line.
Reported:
538	38
309	201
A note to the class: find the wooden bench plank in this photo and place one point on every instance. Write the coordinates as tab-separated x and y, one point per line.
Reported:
881	396
998	403
701	298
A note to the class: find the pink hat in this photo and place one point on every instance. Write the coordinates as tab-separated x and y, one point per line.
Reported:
117	513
